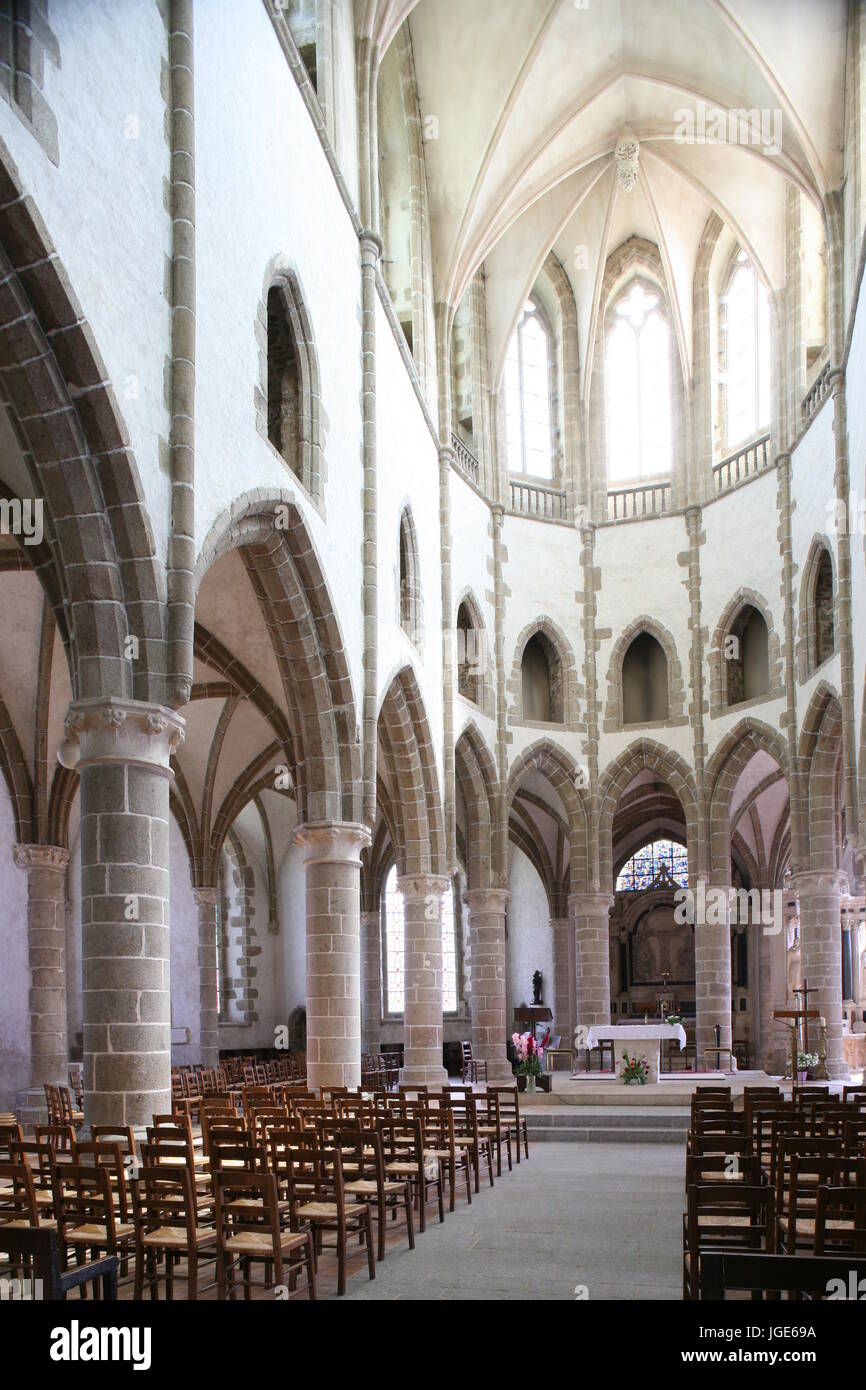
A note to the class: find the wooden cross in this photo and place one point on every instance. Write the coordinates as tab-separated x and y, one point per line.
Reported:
799	1027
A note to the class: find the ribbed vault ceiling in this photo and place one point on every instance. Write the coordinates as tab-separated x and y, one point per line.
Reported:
531	100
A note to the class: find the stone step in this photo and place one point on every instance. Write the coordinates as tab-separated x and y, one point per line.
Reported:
579	1125
581	1134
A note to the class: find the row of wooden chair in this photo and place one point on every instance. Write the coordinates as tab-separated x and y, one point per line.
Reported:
779	1177
262	1186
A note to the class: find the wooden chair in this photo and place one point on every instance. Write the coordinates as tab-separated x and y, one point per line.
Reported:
491	1125
724	1217
840	1220
467	1134
406	1158
37	1155
10	1133
317	1197
59	1138
69	1114
440	1142
85	1213
471	1067
383	1194
716	1168
250	1230
771	1274
40	1249
166	1220
804	1172
508	1101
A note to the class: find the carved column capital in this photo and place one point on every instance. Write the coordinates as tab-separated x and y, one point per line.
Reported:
332	842
41	857
493	900
423	885
820	883
113	730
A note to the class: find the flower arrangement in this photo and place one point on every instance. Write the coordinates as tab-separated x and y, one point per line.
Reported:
635	1069
674	1019
806	1060
529	1054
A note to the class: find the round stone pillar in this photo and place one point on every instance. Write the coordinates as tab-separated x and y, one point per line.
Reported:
422	978
820	894
208	1017
332	862
487	908
45	867
371	982
712	970
590	913
122	750
564	996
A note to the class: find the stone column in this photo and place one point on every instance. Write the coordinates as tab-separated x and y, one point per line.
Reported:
564	997
332	860
209	1039
45	866
591	916
487	907
122	748
820	894
713	970
422	978
371	982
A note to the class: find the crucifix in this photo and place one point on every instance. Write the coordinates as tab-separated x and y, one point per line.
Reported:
799	1027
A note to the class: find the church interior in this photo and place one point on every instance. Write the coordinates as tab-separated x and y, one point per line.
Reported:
432	690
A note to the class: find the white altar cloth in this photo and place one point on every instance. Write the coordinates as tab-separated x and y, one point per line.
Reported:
637	1039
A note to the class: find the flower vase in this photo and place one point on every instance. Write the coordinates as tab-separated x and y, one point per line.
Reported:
530	1085
802	1077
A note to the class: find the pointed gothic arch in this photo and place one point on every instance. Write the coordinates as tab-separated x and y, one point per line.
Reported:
615	711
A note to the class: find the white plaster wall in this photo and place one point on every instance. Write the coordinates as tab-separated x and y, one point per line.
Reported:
530	940
741	552
857	467
104	205
472	570
258	156
814	493
641	576
408	473
542	573
14	1011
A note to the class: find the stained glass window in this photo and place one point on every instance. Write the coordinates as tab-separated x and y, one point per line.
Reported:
654	859
394	949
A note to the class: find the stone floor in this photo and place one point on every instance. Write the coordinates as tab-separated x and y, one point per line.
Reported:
605	1216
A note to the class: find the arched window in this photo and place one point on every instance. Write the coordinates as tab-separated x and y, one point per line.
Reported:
284	392
541	679
527	396
637	372
409	581
395	948
644	681
746	376
824	639
288	403
747	655
471	656
659	858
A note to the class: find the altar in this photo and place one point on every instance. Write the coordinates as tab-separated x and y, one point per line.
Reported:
638	1040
